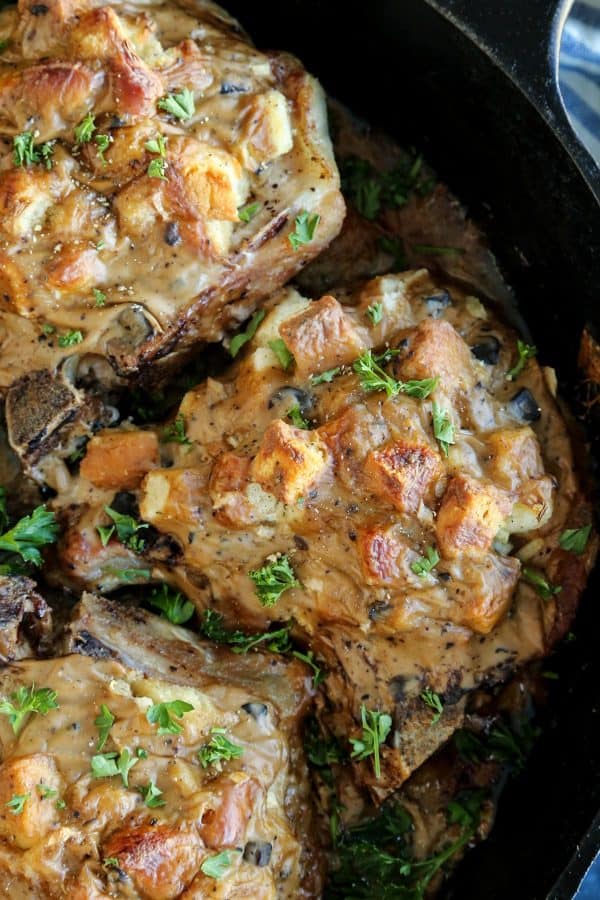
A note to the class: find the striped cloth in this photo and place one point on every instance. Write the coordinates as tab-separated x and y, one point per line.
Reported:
579	70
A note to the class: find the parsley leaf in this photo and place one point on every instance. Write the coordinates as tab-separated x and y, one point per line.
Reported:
103	142
216	866
243	337
285	356
165	714
104	722
321	751
374	378
246	214
374	313
85	130
179	104
273	579
175	432
375	728
297	419
46	792
3	508
434	702
157	145
525	351
212	628
219	749
443	429
106	765
110	862
325	377
544	588
99	297
30	533
575	539
127	530
70	339
371	191
172	604
17	802
157	169
309	658
152	795
306	225
127	574
425	564
26	154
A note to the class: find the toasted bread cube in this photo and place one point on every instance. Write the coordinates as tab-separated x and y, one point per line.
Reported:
514	456
470	516
25	198
482	591
207	182
350	436
321	337
75	269
384	555
170	497
266	131
403	473
225	825
13	286
161	860
229	481
435	348
534	506
118	460
289	461
24	776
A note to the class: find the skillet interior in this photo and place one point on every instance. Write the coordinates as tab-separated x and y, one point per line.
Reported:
408	70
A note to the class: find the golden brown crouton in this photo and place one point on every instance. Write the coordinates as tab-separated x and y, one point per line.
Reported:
13	287
160	860
171	496
25	198
229	477
27	776
383	555
204	181
289	461
118	460
350	437
75	268
266	129
471	513
225	824
403	473
482	590
514	457
321	337
435	348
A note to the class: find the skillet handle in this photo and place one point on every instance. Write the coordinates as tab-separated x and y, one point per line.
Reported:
523	38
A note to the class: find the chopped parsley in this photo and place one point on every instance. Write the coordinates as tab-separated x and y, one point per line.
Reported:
297	419
544	588
99	297
157	145
425	564
110	862
165	714
216	866
26	700
104	722
103	142
525	352
152	795
304	231
395	247
4	43
247	213
29	534
219	749
175	432
374	313
243	337
84	132
70	339
172	604
179	104
308	658
106	765
272	579
373	377
127	574
443	429
434	702
371	191
26	154
212	628
575	539
127	530
375	728
321	751
46	792
17	802
508	744
157	168
285	356
48	329
60	804
325	377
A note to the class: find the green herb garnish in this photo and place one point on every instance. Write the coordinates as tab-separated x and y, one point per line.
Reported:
106	765
26	700
434	702
127	530
212	628
373	377
17	802
425	564
285	357
216	866
297	419
165	714
152	795
273	579
85	130
575	539
29	534
247	213
219	749
70	339
325	377
172	604
243	337
175	432
443	429
179	104
525	351
375	728
104	722
306	225
544	588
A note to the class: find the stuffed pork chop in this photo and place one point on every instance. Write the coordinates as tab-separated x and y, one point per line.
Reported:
158	177
148	764
391	473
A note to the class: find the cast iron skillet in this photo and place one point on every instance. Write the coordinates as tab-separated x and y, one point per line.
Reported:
473	85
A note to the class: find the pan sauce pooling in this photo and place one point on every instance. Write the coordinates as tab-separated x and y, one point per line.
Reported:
155	829
414	569
177	160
